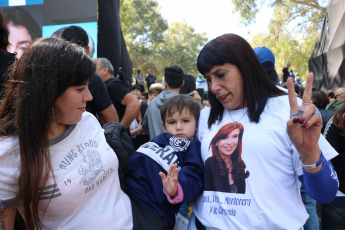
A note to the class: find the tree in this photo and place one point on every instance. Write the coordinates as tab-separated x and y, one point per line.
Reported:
152	44
293	30
142	22
181	46
143	29
304	13
296	49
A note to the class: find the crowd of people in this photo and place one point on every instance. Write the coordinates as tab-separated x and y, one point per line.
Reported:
259	156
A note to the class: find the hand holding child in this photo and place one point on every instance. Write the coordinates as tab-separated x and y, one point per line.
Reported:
170	181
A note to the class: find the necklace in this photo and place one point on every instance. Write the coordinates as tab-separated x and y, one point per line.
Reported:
235	126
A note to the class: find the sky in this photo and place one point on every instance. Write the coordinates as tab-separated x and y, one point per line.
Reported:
215	17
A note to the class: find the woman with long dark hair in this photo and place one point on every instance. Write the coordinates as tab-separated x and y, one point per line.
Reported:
280	130
56	167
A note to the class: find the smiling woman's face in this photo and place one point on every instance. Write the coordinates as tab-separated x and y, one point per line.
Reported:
227	146
19	39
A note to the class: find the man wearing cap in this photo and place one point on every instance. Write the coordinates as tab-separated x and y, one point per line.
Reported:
267	61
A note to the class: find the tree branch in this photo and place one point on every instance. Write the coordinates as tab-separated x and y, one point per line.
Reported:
315	5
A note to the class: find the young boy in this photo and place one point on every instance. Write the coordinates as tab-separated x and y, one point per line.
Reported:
168	170
154	90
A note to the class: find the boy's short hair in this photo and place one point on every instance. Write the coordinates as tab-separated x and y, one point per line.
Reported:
145	95
77	35
177	104
156	88
134	87
173	76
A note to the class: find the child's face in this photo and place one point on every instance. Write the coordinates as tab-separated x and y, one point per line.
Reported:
181	125
153	96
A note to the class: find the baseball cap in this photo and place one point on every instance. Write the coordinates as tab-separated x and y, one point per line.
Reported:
265	55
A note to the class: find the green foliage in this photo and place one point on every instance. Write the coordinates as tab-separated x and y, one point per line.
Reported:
152	44
181	46
295	49
303	12
293	30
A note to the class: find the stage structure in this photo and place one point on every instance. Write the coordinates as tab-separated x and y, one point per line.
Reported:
47	18
328	58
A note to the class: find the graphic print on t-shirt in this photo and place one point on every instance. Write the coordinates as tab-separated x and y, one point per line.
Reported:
225	169
92	168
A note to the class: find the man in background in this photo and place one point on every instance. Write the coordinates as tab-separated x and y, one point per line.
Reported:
152	122
127	105
150	79
339	100
140	81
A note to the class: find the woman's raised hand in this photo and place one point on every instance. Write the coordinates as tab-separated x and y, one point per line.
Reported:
304	129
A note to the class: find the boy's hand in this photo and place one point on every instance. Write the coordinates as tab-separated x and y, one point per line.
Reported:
170	181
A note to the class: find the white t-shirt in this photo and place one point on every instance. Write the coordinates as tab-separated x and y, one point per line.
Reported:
87	188
272	198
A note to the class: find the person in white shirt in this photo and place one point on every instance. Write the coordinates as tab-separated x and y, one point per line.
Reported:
278	130
56	167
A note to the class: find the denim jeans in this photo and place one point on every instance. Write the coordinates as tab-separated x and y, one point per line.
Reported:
333	214
310	205
184	210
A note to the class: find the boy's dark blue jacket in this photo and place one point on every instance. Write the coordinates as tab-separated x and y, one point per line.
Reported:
144	183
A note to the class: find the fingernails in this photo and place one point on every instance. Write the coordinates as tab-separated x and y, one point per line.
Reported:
296	120
305	125
302	120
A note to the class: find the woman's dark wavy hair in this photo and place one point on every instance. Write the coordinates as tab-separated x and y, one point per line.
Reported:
233	49
45	70
3	33
189	84
320	99
238	165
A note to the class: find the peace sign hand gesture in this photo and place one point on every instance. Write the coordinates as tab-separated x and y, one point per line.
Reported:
304	130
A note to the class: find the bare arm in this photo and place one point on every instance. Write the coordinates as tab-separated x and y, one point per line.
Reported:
137	130
108	115
132	109
7	218
141	81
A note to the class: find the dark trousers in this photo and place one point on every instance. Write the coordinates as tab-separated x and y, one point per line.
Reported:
145	219
333	214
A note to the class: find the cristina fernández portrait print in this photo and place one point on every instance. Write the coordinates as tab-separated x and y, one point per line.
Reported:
226	163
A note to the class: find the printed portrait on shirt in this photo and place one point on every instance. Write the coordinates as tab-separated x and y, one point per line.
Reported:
225	169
